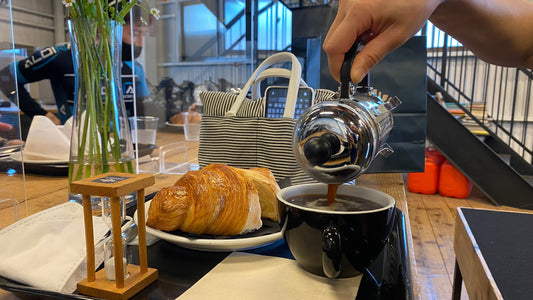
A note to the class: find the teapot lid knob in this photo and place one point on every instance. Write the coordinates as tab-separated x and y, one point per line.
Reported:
319	149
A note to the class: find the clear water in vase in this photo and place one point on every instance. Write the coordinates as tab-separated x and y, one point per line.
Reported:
101	139
87	169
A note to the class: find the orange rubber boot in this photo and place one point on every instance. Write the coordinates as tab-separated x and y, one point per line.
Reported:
452	183
435	154
426	182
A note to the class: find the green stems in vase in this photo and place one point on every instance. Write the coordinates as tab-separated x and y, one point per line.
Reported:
101	139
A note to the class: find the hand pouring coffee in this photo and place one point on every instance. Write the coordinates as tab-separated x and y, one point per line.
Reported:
335	142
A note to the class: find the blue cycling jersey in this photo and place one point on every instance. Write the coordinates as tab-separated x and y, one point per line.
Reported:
55	64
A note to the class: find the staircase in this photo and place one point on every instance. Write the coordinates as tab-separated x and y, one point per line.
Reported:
500	173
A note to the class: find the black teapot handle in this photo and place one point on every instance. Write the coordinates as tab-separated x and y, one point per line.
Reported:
346	68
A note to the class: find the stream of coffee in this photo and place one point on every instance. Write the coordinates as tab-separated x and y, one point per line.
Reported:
332	193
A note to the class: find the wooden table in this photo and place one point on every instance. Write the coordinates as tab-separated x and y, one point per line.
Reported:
42	192
38	192
493	254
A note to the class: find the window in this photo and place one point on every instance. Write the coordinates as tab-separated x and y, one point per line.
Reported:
217	29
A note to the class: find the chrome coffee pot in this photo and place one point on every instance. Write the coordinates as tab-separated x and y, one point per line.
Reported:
336	141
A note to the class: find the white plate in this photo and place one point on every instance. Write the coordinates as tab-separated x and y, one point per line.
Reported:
253	240
17	156
173	125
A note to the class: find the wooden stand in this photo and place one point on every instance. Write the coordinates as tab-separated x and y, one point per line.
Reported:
114	185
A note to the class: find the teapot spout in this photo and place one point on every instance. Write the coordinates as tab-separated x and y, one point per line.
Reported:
385	150
391	103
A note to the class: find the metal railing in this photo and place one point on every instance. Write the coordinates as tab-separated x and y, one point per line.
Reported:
497	100
229	52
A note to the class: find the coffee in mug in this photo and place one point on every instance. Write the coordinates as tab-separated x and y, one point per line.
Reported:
345	203
340	239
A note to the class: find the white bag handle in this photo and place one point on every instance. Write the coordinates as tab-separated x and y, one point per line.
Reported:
271	72
294	80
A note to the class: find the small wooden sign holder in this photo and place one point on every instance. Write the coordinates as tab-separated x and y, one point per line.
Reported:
114	185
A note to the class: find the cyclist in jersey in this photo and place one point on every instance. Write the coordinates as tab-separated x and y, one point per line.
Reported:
55	64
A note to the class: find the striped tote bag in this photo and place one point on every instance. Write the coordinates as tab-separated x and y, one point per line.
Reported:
235	132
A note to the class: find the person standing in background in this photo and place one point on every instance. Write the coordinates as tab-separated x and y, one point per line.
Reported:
55	64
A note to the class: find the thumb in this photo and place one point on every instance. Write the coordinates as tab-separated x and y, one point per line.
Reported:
4	126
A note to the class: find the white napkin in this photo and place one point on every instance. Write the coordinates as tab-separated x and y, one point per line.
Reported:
250	276
47	250
46	141
67	128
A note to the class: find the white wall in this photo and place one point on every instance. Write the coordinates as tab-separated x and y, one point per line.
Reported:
33	22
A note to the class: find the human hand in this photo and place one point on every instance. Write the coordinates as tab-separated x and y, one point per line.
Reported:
53	117
4	126
383	25
5	142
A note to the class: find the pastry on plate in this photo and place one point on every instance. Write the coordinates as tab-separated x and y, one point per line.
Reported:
216	200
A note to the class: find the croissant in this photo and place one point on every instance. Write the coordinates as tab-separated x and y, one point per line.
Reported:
217	200
267	188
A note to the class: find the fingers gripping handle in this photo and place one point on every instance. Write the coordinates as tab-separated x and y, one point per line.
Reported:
347	67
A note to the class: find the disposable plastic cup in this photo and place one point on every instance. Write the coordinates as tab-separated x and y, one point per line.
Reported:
191	125
143	129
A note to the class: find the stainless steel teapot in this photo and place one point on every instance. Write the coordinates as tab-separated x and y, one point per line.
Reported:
335	141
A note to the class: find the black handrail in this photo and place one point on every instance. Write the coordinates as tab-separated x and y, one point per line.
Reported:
503	95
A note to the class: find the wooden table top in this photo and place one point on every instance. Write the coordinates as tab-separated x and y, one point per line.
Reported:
42	192
37	192
493	250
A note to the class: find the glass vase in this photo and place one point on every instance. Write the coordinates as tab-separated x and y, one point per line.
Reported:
101	139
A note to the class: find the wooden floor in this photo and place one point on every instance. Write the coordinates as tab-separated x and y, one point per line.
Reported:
432	219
